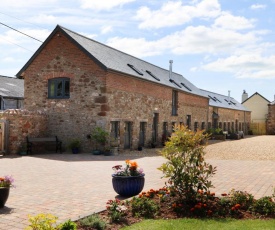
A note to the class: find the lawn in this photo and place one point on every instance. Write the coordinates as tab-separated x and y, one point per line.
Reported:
205	224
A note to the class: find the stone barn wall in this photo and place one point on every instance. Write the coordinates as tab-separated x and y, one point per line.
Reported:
23	123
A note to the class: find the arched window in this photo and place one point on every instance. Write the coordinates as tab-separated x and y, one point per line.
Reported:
59	88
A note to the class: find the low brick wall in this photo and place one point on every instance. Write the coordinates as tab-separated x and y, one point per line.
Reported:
23	123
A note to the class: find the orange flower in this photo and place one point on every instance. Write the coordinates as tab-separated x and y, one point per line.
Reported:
209	212
204	205
224	194
233	208
127	162
212	194
174	205
237	206
133	164
2	179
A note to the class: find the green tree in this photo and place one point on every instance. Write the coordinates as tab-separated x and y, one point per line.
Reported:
186	168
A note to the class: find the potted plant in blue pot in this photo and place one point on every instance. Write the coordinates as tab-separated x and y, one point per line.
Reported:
74	145
6	183
128	180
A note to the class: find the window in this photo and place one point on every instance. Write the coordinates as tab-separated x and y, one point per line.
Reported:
224	126
196	125
188	121
152	75
135	69
203	125
173	126
174	103
185	86
59	88
171	80
115	130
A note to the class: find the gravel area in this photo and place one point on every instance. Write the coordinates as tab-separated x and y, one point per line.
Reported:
249	148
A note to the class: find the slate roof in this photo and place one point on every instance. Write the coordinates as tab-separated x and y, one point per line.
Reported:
11	87
223	101
113	59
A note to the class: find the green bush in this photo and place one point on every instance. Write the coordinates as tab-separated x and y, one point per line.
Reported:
68	225
264	206
186	168
93	221
144	207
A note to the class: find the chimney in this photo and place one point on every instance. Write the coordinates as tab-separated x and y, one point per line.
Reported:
244	96
170	69
229	95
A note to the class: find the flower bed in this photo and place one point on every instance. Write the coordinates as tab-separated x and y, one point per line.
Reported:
164	204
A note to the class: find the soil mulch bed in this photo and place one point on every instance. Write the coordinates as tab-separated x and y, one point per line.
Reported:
170	209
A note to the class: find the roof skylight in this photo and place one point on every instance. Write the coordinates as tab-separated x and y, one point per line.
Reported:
171	80
135	69
212	98
150	73
185	86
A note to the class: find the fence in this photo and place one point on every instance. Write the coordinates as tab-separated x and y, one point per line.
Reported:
3	137
258	128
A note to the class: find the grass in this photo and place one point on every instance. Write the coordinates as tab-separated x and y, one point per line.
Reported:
203	224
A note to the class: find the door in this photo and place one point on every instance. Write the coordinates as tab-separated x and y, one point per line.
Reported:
127	135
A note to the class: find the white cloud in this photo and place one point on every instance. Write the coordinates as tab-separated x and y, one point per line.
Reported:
175	13
245	66
106	29
229	21
257	6
103	4
192	40
26	4
135	46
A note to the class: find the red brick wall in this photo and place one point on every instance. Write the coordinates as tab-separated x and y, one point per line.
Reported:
135	100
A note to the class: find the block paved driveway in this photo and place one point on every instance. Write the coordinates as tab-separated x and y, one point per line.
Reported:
72	186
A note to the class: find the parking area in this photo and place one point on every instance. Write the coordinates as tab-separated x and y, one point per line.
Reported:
71	186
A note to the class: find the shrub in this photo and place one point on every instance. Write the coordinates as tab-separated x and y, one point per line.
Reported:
144	207
42	221
264	206
186	168
68	225
243	198
93	221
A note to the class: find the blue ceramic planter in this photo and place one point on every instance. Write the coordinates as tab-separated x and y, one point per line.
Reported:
128	185
4	194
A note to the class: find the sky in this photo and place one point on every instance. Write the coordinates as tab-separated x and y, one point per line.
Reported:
218	45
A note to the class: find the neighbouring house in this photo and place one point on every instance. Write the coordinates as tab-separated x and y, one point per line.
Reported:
11	93
258	105
81	83
271	118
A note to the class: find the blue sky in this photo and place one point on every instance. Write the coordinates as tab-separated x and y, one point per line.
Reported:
218	45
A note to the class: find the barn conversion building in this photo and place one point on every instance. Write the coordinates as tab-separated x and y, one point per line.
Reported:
81	83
